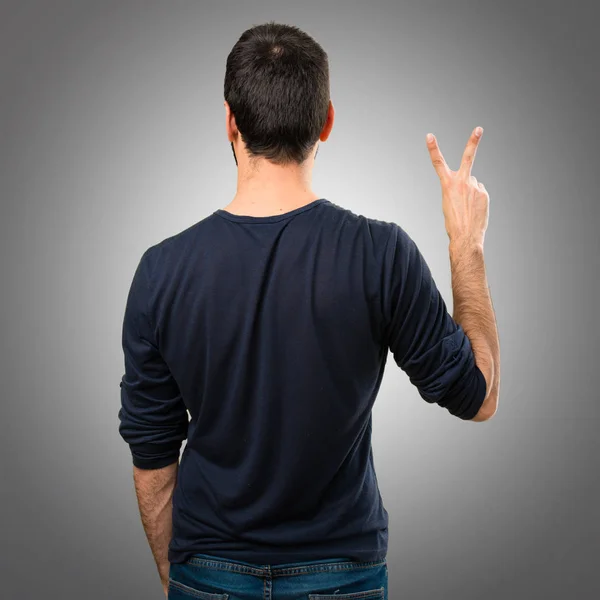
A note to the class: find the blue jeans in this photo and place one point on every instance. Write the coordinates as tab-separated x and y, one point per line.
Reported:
206	577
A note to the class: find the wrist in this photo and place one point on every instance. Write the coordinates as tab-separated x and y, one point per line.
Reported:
460	244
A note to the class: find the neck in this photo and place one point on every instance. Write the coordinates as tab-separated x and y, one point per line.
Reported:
265	189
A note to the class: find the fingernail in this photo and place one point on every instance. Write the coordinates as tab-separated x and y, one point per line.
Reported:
478	131
429	137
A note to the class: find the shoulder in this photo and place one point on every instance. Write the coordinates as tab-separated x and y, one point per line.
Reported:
390	244
172	248
380	230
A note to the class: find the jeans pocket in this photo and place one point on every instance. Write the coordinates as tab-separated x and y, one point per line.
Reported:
180	591
376	594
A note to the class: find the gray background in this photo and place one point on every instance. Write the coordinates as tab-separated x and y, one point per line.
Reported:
113	137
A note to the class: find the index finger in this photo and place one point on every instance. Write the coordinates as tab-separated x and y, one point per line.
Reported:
439	163
469	154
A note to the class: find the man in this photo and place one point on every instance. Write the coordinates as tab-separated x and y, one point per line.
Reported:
270	323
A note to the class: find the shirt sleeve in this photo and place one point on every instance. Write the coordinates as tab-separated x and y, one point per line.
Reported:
426	342
153	417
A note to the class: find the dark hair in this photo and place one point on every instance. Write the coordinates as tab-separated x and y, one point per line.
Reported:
277	87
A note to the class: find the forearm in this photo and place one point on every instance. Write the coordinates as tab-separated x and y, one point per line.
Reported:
473	310
154	489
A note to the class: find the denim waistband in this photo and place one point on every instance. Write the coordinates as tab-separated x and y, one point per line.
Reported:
295	568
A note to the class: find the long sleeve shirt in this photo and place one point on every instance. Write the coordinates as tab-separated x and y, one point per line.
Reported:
262	342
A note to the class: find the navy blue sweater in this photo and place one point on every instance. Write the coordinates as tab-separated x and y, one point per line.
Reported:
263	342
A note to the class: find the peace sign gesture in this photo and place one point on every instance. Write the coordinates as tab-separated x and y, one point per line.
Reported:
465	201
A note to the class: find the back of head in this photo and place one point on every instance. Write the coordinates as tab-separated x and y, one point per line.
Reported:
277	87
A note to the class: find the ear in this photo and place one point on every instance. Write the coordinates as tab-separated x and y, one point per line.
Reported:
230	125
328	123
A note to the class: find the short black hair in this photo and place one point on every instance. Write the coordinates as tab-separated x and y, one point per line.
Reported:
277	87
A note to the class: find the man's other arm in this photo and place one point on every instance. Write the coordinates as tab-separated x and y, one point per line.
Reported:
154	489
153	419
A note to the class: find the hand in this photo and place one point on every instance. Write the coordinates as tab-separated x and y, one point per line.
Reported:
465	201
166	589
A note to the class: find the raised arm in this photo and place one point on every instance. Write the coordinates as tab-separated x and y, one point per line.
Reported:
465	203
426	342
